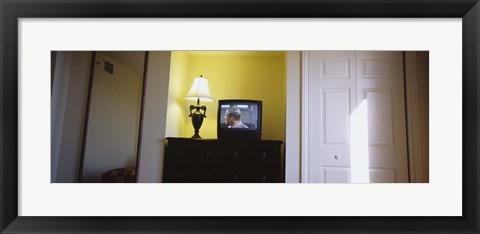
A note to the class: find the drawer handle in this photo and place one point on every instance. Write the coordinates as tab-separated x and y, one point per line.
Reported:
236	154
336	157
263	155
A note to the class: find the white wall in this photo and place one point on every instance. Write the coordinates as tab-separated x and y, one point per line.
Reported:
69	97
293	128
133	60
113	119
150	167
57	108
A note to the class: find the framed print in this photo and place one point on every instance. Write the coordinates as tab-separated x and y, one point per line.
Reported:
35	33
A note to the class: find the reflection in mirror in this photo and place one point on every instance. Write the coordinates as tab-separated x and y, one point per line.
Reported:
113	117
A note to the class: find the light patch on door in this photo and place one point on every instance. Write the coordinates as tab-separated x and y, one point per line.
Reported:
359	144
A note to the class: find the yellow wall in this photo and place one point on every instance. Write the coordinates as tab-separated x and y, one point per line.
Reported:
238	75
176	111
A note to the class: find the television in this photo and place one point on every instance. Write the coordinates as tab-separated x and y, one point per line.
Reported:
239	119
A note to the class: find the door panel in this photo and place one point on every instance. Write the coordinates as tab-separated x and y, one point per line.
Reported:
339	82
335	68
372	67
381	84
380	115
336	174
336	109
332	95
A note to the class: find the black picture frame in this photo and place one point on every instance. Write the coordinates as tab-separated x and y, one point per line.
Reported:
12	10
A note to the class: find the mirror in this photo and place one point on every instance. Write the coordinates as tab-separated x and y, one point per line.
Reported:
113	116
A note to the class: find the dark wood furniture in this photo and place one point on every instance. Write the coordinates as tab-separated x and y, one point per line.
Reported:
188	160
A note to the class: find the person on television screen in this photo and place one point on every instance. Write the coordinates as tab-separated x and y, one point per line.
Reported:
232	118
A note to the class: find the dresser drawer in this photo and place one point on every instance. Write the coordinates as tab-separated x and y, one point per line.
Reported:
213	161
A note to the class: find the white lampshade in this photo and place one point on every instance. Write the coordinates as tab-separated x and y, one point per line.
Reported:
200	90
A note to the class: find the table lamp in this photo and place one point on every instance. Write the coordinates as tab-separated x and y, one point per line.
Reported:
198	92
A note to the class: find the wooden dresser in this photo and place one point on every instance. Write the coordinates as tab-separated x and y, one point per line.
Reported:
188	160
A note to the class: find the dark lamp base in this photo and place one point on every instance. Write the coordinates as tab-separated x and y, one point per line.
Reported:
197	120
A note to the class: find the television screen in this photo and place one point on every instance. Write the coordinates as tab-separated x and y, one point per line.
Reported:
235	116
239	116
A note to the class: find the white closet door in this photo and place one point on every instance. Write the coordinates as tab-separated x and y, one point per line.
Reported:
380	84
332	93
354	117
